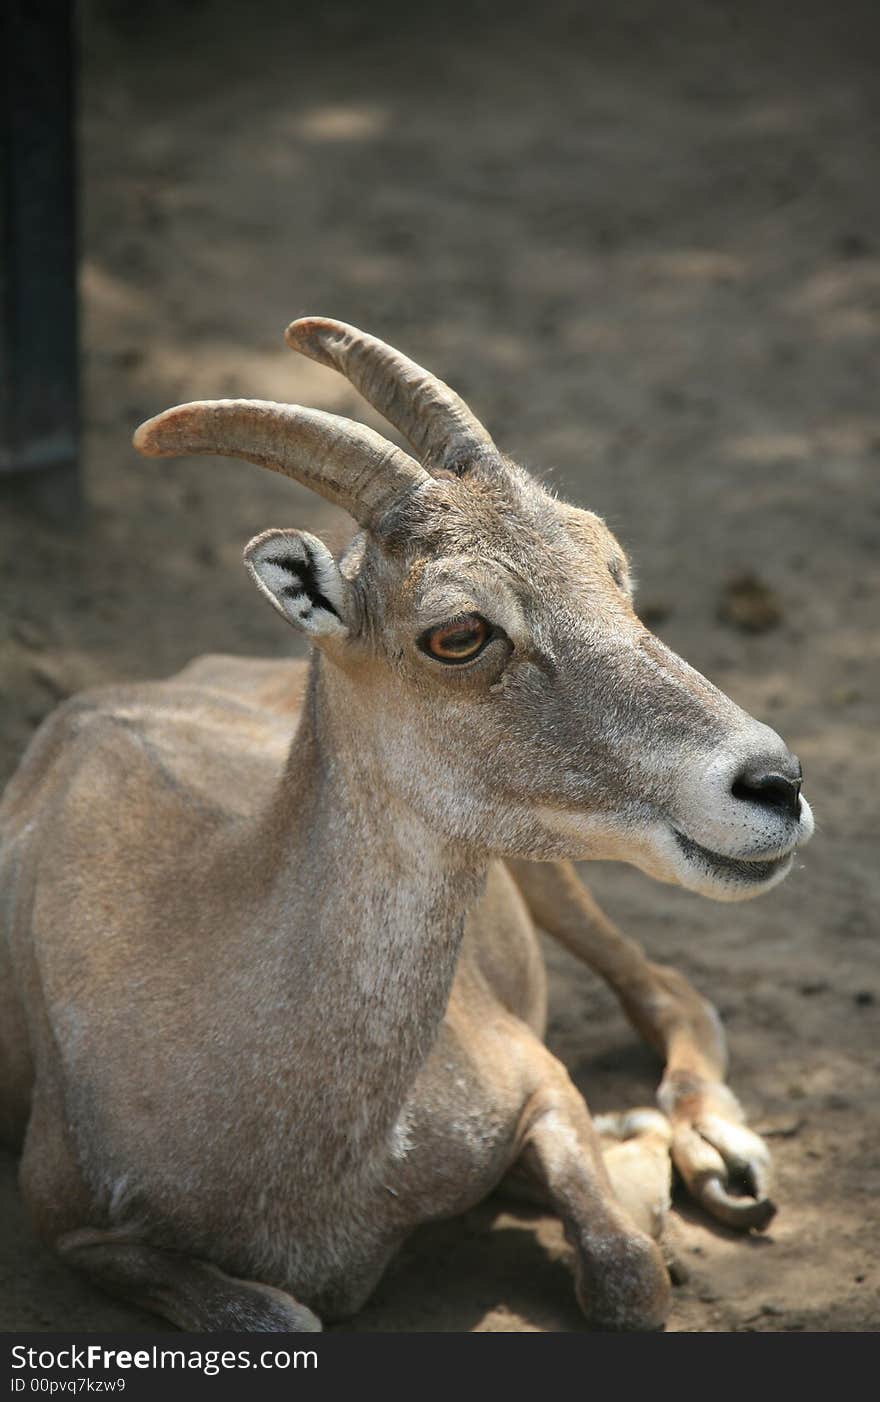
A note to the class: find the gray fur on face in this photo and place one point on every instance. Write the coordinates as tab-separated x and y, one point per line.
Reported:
603	742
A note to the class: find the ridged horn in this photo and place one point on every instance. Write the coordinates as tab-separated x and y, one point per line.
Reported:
438	424
345	462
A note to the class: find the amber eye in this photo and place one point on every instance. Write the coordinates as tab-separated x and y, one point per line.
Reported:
457	641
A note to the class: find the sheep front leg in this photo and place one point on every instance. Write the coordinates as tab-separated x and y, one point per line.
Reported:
712	1148
621	1280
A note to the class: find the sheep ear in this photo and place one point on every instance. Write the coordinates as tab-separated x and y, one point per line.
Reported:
297	574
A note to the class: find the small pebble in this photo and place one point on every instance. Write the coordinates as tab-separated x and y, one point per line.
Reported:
749	605
852	245
787	1130
28	634
128	357
845	696
47	676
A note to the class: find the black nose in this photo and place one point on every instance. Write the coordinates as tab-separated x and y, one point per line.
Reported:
765	784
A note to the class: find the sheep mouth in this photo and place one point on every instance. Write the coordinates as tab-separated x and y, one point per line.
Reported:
754	873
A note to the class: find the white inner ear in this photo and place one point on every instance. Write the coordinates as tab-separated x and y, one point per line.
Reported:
299	577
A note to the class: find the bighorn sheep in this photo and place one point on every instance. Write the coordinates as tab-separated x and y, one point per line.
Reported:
272	993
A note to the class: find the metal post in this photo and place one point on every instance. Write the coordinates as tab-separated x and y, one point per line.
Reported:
38	300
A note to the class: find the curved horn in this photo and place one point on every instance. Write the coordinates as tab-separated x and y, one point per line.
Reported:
345	462
438	424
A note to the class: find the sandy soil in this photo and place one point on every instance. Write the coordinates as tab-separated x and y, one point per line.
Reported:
646	246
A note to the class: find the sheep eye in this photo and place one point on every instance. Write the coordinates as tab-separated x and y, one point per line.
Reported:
460	640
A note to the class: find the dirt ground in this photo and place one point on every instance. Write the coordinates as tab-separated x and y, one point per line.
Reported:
643	239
